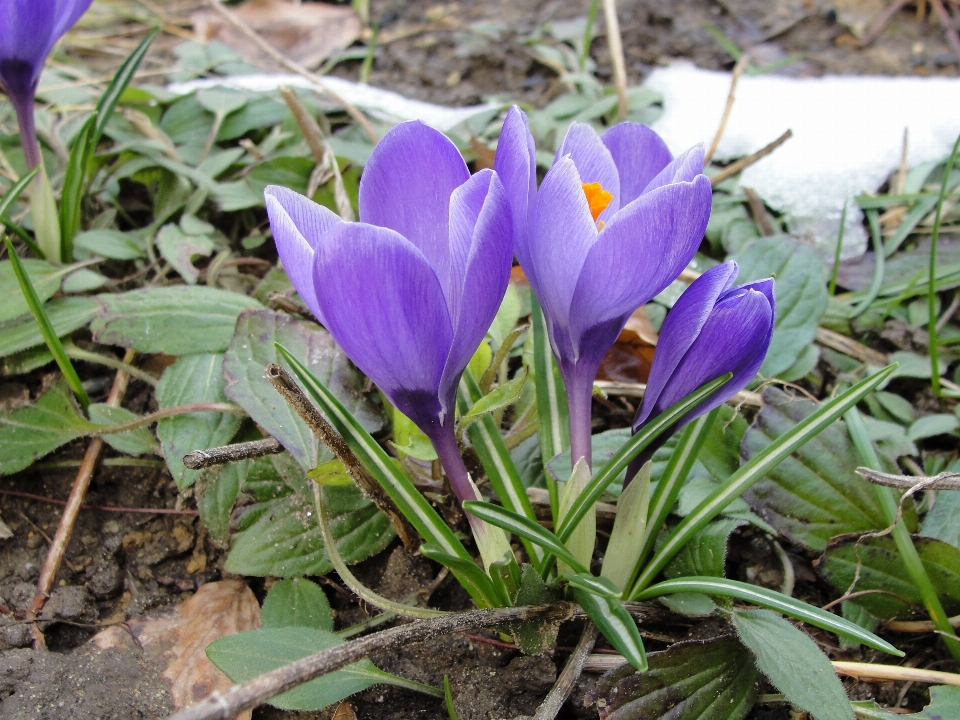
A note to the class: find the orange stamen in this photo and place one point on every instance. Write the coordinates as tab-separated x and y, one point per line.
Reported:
597	198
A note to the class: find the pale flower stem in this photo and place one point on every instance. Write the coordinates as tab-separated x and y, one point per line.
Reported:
28	133
579	402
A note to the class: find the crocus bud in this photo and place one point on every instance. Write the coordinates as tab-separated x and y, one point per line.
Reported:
712	330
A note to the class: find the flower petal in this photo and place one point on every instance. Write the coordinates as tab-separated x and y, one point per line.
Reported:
516	165
68	12
687	166
734	339
485	230
639	154
384	306
681	329
407	184
594	163
298	223
561	237
641	251
25	41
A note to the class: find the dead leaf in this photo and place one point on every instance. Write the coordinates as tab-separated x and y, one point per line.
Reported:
180	637
345	711
307	33
630	357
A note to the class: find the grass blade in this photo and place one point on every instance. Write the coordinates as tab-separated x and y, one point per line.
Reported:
497	462
931	289
772	600
750	473
46	328
551	401
613	620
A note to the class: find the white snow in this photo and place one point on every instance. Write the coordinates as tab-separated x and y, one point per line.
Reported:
847	136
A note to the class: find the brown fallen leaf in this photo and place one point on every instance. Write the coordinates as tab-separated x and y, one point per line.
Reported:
179	638
307	33
630	357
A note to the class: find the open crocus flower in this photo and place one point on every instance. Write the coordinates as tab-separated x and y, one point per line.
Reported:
409	291
712	330
615	220
28	31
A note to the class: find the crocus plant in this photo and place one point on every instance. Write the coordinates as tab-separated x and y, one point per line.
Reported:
28	31
614	222
410	290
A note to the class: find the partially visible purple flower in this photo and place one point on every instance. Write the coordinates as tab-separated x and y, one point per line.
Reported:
409	291
615	220
28	31
712	330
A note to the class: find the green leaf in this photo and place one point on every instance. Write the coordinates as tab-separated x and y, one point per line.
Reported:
693	604
613	620
706	551
179	249
248	654
771	600
596	585
881	568
65	315
175	320
944	704
693	680
524	527
44	277
134	442
252	348
815	494
942	522
794	664
217	489
801	295
296	602
933	425
71	195
551	398
498	399
29	433
112	244
193	379
278	533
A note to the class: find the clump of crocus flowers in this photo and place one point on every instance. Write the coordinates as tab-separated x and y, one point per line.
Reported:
28	31
410	290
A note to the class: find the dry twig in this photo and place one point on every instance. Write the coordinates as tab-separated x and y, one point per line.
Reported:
734	79
568	678
742	164
199	459
615	42
943	481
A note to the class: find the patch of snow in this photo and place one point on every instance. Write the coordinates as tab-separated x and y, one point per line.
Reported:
847	137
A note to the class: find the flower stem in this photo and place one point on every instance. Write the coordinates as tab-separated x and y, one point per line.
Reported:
579	401
28	133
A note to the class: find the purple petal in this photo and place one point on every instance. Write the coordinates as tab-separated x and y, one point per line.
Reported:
766	287
562	234
407	184
682	327
641	251
639	154
68	12
594	163
485	230
516	165
384	306
685	168
734	339
298	223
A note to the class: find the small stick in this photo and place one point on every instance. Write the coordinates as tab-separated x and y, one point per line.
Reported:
850	347
615	43
223	705
292	66
199	459
571	673
626	389
758	211
952	36
877	26
734	79
102	508
918	626
943	481
58	548
886	673
742	164
284	384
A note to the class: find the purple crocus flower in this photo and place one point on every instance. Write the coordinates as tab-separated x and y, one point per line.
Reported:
713	329
28	31
409	291
615	220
